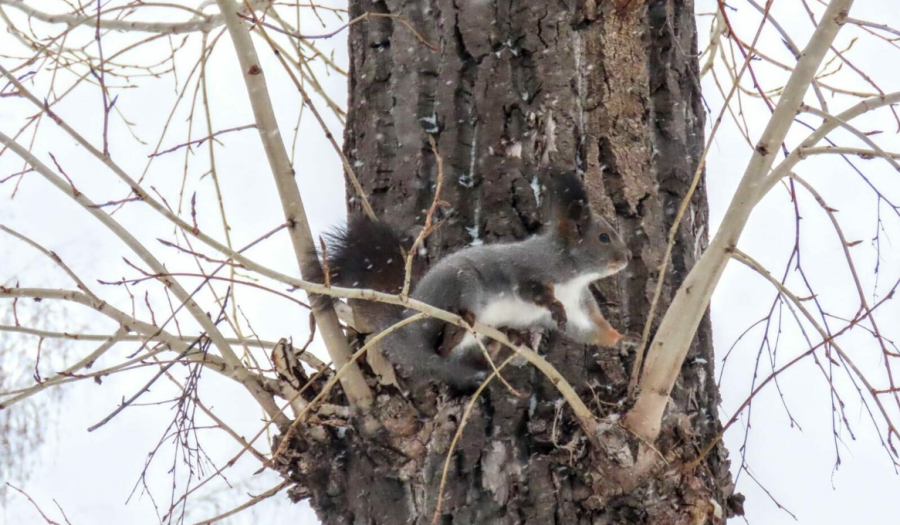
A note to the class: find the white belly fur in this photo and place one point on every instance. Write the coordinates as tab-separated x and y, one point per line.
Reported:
570	293
512	312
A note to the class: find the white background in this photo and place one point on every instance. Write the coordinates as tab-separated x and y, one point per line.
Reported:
91	475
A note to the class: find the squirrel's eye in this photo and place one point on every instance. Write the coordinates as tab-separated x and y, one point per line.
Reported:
604	238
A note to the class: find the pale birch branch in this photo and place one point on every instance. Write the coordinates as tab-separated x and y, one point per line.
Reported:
859	134
354	383
784	168
862	153
87	361
685	203
198	24
676	331
351	174
865	23
53	257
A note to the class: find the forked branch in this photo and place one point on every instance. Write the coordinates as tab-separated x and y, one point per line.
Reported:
676	331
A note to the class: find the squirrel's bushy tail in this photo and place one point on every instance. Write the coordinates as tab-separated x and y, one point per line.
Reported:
371	255
366	254
363	254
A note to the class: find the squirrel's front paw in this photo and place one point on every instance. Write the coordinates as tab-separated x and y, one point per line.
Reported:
629	341
558	314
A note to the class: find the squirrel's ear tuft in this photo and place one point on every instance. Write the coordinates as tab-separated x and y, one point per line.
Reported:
566	187
569	200
577	211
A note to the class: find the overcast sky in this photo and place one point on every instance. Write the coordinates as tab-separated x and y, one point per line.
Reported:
91	475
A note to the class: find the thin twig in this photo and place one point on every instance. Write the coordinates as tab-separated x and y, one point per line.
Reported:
360	18
351	174
36	506
199	142
249	503
145	388
428	227
459	430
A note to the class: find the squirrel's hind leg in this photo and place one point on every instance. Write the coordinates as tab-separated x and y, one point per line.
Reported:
452	335
463	372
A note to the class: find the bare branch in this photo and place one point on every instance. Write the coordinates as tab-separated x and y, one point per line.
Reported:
784	168
310	359
199	142
36	506
798	303
246	505
263	397
859	134
427	228
882	27
675	333
54	257
862	153
199	24
354	383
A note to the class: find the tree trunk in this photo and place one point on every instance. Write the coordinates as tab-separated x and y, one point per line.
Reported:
610	87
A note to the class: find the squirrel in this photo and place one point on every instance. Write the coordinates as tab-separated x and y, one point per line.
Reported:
540	282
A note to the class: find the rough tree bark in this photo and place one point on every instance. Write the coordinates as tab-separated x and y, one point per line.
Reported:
611	87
